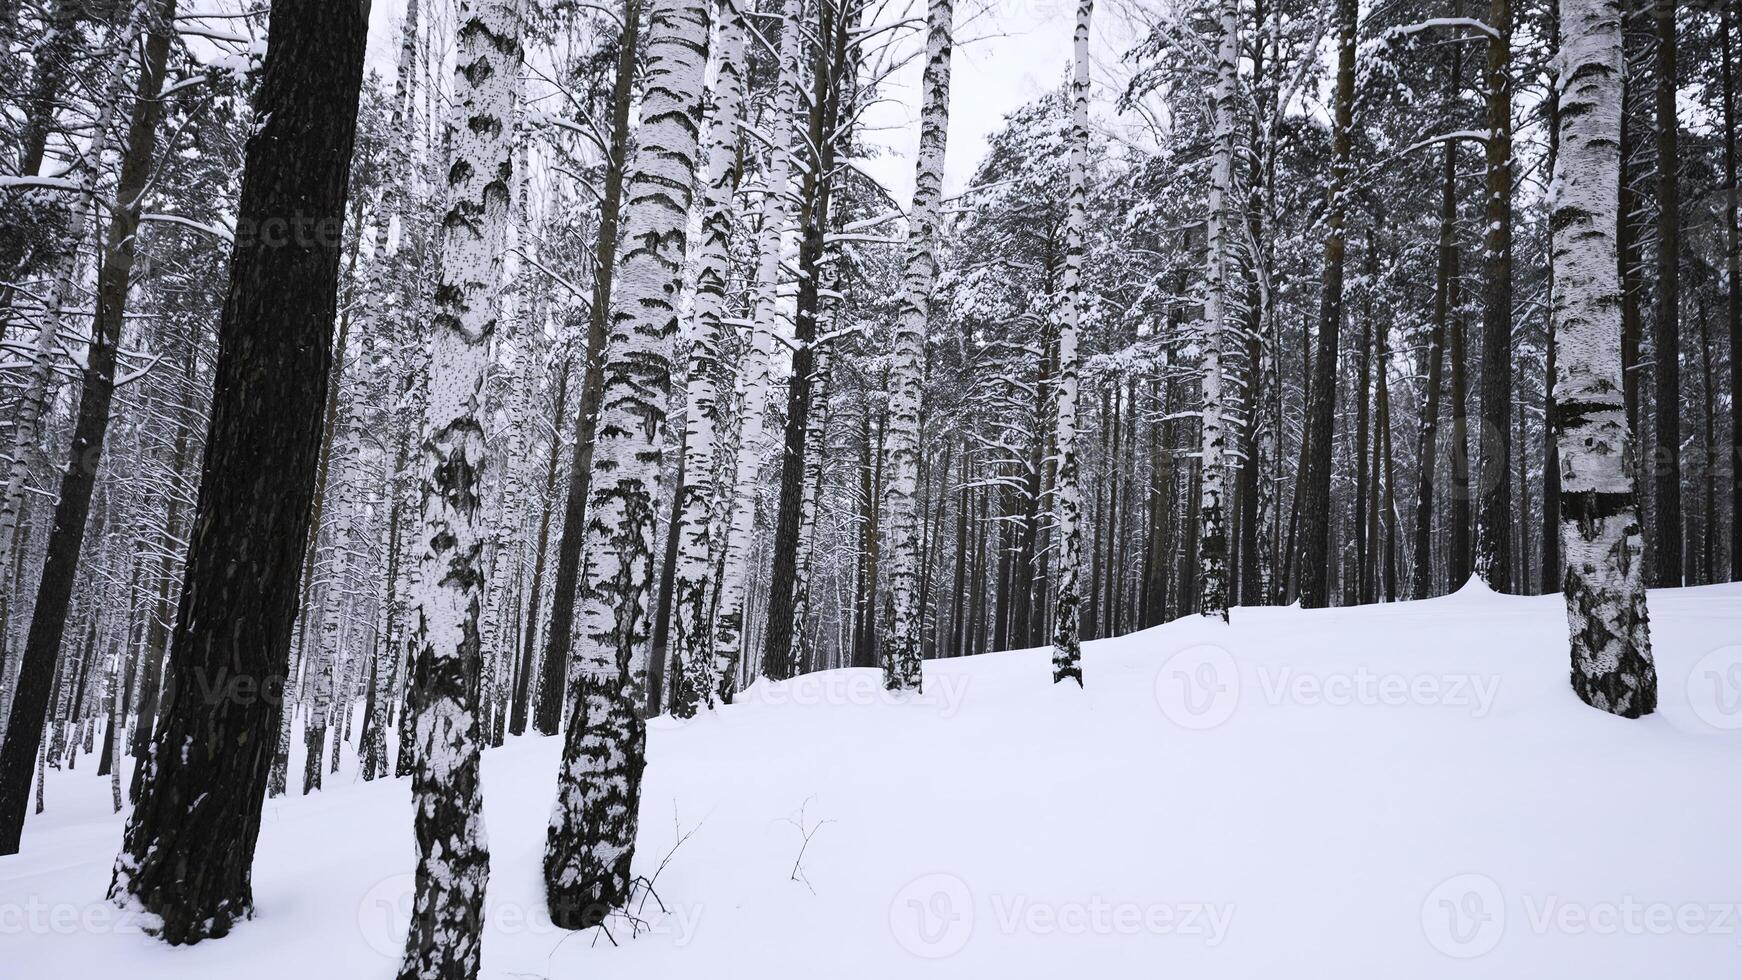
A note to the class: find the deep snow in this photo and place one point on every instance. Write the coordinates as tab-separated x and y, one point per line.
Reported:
1389	791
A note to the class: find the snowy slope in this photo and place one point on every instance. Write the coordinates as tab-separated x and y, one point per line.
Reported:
1391	791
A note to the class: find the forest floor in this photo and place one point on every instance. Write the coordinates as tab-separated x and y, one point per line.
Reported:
1406	790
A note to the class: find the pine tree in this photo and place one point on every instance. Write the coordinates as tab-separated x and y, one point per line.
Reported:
188	851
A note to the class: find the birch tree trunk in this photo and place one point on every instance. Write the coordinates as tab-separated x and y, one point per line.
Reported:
741	502
189	846
687	646
591	838
1067	638
1600	532
901	651
1213	532
453	859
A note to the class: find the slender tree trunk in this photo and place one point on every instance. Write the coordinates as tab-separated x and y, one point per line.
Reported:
901	656
688	645
1732	290
1315	488
1067	639
553	682
1666	465
1494	460
1213	535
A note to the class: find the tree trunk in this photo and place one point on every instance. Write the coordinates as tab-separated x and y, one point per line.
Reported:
1315	484
554	680
1666	464
1494	444
591	838
1604	583
201	806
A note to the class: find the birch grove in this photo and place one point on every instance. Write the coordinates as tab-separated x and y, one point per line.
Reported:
589	380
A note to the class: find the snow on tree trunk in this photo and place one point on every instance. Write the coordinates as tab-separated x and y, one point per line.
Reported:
591	838
1600	531
901	651
688	648
453	863
1213	531
1067	637
741	503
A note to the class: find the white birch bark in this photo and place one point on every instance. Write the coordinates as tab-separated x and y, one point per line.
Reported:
1600	532
453	858
688	648
1213	530
901	651
1067	637
591	838
741	503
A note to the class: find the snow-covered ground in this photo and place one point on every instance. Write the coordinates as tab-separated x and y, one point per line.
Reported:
1391	791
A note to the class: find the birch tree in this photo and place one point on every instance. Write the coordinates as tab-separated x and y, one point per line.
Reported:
754	367
688	647
1213	533
590	842
453	859
901	651
1600	531
1067	639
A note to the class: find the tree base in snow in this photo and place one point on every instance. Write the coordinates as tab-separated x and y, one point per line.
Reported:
591	841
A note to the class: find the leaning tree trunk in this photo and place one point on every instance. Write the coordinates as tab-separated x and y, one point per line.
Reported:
1213	530
1315	485
591	839
189	848
30	704
1067	634
1600	533
901	650
453	858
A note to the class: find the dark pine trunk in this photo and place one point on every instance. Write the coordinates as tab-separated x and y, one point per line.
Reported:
1666	327
189	847
1315	484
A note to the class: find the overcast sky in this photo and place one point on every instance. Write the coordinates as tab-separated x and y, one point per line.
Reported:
1008	52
